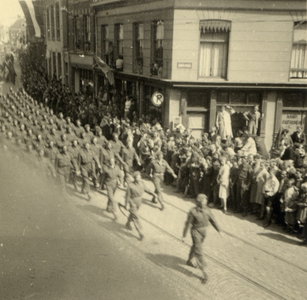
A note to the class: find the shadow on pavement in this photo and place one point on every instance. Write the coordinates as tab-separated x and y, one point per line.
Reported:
279	237
110	226
172	262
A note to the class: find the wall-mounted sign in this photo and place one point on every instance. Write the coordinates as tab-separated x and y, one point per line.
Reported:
184	65
291	119
157	99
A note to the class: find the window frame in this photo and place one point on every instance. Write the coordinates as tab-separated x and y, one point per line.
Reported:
215	41
154	42
52	23
294	45
119	43
138	56
57	21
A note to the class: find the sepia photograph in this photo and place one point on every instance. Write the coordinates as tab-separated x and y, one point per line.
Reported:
153	149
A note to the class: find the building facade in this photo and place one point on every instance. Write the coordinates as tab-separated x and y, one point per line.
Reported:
18	32
201	55
184	60
56	37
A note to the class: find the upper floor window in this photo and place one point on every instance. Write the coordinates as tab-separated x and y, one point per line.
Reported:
77	33
48	23
104	43
299	51
213	56
119	39
57	19
87	32
138	47
52	22
157	50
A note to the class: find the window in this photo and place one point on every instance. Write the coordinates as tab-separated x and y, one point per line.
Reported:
138	47
57	19
52	22
104	43
299	51
48	23
77	33
214	37
158	37
119	39
87	32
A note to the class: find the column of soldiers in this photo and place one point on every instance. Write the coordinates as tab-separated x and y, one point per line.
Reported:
63	150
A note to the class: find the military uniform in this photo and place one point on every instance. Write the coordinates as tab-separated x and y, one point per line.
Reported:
199	218
157	169
86	159
134	193
64	161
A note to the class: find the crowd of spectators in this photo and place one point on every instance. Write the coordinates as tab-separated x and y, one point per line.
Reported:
7	69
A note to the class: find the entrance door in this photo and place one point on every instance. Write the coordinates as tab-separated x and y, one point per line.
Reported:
197	124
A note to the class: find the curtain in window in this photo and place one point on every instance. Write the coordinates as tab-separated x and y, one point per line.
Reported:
212	62
121	32
299	51
299	61
140	31
160	30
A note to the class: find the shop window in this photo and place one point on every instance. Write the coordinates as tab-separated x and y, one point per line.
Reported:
48	23
213	53
198	99
138	47
52	23
299	51
294	100
157	47
57	21
87	32
119	39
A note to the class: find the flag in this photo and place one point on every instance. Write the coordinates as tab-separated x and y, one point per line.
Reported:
105	69
32	11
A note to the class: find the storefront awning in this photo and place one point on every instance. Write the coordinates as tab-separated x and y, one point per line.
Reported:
215	25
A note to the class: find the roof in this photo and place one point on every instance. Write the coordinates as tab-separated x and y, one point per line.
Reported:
18	24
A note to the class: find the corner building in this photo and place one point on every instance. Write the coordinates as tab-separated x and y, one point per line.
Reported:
200	55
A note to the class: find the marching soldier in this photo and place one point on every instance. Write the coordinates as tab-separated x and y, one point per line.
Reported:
156	170
199	218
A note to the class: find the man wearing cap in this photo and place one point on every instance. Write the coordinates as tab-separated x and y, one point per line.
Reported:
64	160
74	149
86	159
156	170
134	192
199	218
111	174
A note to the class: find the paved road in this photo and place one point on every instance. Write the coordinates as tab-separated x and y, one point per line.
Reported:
49	249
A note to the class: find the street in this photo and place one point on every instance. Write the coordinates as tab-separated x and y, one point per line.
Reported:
57	249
